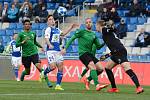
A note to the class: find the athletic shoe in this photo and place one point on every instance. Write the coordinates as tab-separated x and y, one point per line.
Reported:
58	87
139	90
87	84
99	87
17	79
113	90
49	84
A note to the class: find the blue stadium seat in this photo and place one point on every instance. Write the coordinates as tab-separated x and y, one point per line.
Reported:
82	26
76	42
69	49
19	26
6	39
35	26
133	20
52	6
39	33
18	31
9	32
74	49
120	13
2	32
71	12
131	27
101	51
141	20
12	26
43	26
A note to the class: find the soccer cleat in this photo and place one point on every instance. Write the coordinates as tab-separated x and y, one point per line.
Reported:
99	87
17	79
139	90
49	84
87	84
58	87
113	90
42	76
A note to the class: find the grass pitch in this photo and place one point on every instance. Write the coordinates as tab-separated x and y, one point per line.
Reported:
34	90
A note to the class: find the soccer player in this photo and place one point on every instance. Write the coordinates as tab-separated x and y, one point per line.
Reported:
86	39
53	36
15	55
119	55
27	40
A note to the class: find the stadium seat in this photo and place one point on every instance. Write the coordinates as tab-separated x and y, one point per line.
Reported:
71	13
131	27
35	26
136	50
74	48
43	26
6	39
39	33
133	20
2	32
18	31
12	26
145	50
129	42
141	20
9	32
82	26
5	25
19	26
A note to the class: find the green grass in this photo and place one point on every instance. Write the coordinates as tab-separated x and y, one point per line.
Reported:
33	90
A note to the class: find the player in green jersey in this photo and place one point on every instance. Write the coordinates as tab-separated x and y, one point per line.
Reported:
86	39
27	40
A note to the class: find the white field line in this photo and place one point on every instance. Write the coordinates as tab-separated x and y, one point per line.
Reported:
22	94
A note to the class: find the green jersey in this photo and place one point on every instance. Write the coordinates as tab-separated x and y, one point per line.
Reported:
86	39
29	48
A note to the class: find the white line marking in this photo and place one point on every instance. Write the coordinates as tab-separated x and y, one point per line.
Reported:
17	94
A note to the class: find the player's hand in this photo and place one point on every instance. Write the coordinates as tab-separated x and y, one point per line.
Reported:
63	51
42	49
51	46
102	58
25	40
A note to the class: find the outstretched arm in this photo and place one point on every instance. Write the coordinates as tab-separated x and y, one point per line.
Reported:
69	29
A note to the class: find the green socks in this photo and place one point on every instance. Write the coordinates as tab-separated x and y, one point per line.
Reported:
22	75
93	75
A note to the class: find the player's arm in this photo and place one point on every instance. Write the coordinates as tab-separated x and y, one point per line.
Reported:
69	29
98	44
47	36
103	57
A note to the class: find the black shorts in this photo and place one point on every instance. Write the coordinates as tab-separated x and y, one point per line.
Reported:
86	58
120	56
26	61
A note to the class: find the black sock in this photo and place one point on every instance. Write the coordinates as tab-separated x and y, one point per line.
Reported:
111	77
133	77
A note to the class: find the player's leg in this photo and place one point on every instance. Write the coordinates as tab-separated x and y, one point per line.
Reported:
83	73
59	76
15	67
111	64
26	61
133	76
59	60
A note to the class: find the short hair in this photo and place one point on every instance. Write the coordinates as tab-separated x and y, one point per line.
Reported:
49	16
27	20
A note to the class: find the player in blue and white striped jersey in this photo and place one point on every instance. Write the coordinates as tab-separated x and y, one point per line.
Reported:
16	55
